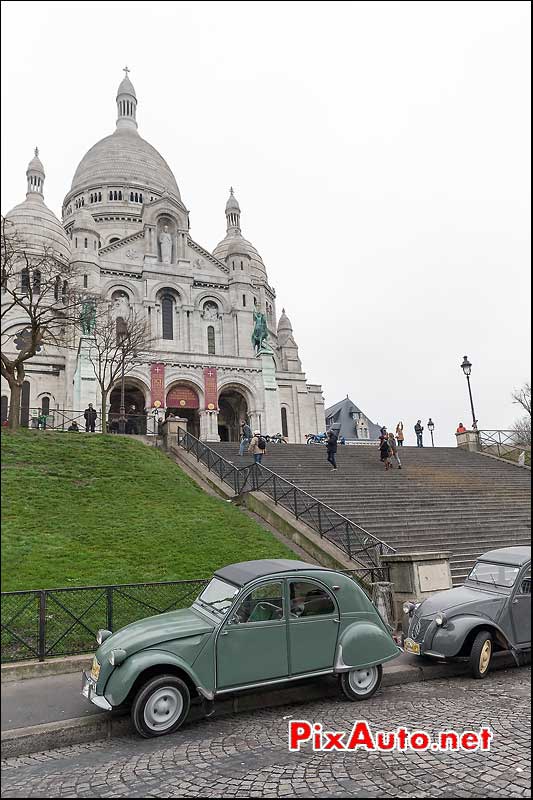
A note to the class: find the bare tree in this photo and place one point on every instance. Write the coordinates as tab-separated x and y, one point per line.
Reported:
38	287
117	347
522	426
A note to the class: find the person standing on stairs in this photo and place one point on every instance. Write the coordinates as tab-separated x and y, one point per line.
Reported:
385	452
399	434
331	446
394	450
419	429
246	437
257	447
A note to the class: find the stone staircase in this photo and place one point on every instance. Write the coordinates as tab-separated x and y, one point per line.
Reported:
444	498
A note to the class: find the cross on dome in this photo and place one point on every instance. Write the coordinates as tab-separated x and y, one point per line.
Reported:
126	70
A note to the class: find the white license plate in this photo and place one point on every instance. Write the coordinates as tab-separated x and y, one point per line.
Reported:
411	647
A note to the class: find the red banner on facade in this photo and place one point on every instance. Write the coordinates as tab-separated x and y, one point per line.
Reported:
181	396
157	384
211	391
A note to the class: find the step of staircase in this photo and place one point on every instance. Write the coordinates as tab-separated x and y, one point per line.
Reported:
443	498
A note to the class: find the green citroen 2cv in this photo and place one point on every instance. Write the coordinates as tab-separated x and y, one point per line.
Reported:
256	624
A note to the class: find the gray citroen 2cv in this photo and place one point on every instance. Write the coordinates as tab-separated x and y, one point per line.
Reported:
491	611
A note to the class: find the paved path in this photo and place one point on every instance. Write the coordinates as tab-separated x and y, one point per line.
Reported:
247	756
39	700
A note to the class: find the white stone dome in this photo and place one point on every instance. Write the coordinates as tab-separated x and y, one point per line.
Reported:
124	158
37	228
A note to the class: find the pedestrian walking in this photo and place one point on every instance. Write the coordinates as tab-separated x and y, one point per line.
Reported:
257	447
385	453
394	450
399	434
331	447
90	418
246	437
419	429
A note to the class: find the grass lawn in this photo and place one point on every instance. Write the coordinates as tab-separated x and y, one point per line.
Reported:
82	509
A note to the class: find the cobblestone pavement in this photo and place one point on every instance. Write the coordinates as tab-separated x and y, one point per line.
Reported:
247	755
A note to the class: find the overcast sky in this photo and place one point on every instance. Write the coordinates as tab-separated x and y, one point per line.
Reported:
380	153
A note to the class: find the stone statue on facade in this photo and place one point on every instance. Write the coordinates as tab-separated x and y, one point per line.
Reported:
260	333
88	317
165	240
121	306
210	311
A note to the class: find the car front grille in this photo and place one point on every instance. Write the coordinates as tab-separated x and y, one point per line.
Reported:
418	628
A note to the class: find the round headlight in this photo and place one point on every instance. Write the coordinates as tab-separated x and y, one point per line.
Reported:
116	657
440	619
102	635
408	607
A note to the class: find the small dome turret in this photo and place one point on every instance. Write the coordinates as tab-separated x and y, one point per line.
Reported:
126	104
84	221
284	324
35	175
234	242
38	228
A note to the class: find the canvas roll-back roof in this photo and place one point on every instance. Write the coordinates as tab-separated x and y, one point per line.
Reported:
245	571
508	555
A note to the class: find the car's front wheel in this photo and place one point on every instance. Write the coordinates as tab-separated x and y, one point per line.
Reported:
481	654
360	684
160	706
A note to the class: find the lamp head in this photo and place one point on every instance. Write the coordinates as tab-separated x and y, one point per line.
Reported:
466	366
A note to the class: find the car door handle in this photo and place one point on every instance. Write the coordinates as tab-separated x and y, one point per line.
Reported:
224	633
335	620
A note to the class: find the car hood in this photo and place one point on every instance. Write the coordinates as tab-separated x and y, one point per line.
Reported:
152	631
462	598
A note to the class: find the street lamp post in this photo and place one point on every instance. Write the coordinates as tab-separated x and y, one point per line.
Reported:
431	428
466	366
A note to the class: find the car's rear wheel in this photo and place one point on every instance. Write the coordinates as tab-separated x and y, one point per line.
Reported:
160	706
481	654
360	684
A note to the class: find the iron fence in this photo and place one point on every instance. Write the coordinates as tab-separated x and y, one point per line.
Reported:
355	542
63	419
504	444
43	623
46	623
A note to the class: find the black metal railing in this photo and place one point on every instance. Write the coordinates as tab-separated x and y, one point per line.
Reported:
43	623
47	623
504	444
355	542
63	419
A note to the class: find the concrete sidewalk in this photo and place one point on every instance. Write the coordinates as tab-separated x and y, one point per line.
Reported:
45	712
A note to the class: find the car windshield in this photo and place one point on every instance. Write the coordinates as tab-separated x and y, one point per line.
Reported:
218	594
494	574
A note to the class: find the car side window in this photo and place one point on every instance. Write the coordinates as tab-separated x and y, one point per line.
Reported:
525	583
309	600
262	604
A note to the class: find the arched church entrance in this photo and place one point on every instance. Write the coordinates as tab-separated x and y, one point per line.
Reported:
183	401
134	403
232	408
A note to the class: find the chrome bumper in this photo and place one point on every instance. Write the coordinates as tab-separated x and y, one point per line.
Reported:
88	690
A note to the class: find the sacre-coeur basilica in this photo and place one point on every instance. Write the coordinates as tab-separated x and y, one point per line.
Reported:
125	229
